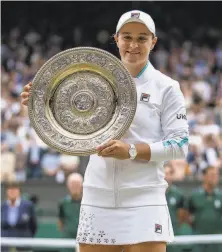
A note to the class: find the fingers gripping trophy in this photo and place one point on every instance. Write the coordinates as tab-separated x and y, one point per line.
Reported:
84	101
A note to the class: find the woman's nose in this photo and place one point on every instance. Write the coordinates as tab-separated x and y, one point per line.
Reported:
133	44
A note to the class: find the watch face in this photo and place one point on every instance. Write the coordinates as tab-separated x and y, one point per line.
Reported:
133	152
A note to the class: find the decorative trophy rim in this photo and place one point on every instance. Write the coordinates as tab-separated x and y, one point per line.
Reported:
81	98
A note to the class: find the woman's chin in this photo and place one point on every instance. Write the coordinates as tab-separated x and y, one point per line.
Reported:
131	61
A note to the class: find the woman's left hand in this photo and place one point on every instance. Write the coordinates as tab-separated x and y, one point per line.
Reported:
115	149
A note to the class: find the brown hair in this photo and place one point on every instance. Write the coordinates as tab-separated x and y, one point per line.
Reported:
11	185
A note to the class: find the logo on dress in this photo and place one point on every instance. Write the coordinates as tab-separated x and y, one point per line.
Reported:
135	14
158	228
181	116
144	97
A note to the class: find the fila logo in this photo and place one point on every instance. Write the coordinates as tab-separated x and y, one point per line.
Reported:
144	97
181	116
135	14
158	228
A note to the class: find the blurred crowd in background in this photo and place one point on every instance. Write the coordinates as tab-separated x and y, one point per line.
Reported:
196	62
189	49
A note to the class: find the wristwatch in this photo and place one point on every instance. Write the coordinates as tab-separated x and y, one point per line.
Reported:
132	151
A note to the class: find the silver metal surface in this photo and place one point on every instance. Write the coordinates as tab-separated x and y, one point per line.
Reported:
81	98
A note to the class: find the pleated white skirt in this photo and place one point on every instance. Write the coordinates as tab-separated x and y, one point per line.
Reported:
124	226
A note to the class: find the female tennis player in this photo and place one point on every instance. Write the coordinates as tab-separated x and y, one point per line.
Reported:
124	206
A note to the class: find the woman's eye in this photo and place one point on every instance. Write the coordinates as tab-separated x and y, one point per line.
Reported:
142	39
127	37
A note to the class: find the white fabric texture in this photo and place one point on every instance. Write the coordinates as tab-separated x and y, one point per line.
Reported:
161	122
124	226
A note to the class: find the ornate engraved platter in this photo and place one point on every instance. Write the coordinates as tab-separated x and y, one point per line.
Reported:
81	98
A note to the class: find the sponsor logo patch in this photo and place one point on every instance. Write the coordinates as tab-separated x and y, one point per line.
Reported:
158	228
135	14
144	97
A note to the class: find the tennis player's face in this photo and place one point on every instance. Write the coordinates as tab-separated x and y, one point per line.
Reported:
135	42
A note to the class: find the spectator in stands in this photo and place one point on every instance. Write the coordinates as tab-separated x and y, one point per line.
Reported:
69	208
205	207
194	158
18	218
20	160
10	133
176	204
68	165
197	67
211	151
34	157
175	197
50	162
180	168
7	164
161	58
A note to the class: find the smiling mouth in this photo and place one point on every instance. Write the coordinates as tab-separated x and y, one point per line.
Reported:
133	53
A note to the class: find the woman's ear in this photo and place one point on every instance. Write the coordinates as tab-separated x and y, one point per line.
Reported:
153	42
116	40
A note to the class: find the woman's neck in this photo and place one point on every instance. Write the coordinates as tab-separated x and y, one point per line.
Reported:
135	70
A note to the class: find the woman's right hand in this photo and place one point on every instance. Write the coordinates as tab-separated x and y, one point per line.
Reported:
25	93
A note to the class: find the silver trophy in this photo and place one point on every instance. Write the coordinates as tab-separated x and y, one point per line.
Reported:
81	98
